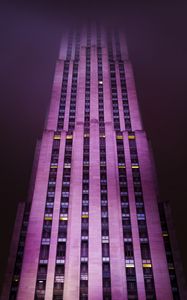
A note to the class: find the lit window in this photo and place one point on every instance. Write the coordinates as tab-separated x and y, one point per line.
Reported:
135	167
129	265
171	266
84	216
147	266
165	234
63	218
67	166
47	218
56	137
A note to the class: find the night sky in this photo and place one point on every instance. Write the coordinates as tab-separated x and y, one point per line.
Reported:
30	38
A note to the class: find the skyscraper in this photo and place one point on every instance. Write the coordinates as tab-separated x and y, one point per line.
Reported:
93	227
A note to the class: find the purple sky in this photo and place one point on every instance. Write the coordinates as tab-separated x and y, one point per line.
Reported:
30	37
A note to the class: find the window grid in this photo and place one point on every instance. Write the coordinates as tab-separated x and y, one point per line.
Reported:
69	47
84	222
72	112
126	110
63	221
100	88
87	91
141	217
105	242
19	255
104	221
47	223
126	221
113	84
62	105
169	255
85	181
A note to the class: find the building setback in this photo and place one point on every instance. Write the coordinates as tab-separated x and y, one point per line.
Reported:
93	227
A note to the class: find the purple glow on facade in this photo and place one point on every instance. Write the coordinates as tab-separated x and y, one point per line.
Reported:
94	229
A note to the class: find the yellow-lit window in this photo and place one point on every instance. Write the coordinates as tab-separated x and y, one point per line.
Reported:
85	216
121	167
53	167
135	167
165	234
131	137
147	266
69	137
119	137
48	218
56	137
63	218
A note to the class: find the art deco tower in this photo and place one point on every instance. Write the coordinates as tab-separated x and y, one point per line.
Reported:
92	227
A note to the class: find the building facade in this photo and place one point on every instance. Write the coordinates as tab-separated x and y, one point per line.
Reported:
93	227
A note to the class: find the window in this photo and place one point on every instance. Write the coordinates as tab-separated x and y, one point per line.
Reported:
44	252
